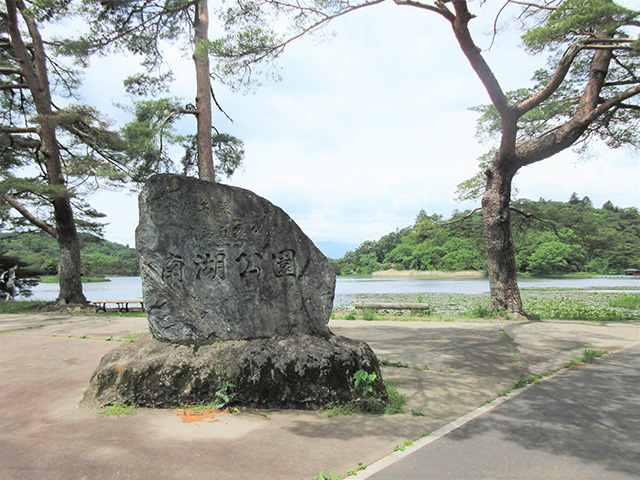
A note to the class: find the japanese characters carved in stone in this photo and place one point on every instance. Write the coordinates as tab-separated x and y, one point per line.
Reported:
219	262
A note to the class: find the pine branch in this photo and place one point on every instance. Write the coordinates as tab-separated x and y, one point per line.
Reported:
257	56
14	86
439	7
10	71
612	103
564	66
19	129
215	100
484	73
450	222
186	111
628	106
533	5
22	210
531	215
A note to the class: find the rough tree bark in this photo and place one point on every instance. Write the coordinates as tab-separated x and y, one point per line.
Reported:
513	154
203	89
503	283
34	70
505	294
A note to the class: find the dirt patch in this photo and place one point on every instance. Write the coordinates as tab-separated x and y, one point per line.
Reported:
190	415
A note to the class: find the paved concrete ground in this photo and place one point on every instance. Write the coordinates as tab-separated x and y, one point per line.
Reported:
583	423
46	363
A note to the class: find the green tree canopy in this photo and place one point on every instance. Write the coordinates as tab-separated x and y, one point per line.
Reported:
53	153
549	238
144	29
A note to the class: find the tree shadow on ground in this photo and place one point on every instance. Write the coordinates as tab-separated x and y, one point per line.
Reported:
591	413
466	367
455	349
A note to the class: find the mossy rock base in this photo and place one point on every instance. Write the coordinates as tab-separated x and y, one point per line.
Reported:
298	372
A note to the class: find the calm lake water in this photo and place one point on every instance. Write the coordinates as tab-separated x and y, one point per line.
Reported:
130	288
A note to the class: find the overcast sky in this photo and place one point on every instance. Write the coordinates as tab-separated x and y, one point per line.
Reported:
368	127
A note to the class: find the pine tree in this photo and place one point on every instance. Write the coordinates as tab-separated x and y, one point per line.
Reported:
142	27
49	154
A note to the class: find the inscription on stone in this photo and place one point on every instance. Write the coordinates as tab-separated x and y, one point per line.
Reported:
283	263
220	262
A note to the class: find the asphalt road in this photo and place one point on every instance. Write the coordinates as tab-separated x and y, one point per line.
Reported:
581	424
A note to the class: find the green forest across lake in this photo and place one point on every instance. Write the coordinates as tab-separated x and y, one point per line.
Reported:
550	237
38	253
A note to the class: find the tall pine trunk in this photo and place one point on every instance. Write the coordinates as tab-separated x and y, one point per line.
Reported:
203	95
503	283
33	68
69	266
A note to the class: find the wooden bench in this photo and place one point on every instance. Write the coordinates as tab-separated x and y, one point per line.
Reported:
121	305
393	306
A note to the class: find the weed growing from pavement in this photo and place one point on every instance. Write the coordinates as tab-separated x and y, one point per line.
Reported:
505	336
128	338
332	476
117	410
525	380
589	355
403	446
388	363
395	404
354	471
396	399
81	337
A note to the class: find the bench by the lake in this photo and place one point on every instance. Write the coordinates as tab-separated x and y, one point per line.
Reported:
392	306
120	305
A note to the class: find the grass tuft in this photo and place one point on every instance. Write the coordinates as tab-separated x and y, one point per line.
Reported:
589	355
131	337
524	380
388	363
629	300
369	315
332	476
403	446
25	306
117	410
395	404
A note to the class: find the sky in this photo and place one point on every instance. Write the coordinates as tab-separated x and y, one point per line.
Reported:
369	124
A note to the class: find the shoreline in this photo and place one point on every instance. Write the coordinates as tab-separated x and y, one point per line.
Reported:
427	274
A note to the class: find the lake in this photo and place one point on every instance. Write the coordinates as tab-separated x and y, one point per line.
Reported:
130	288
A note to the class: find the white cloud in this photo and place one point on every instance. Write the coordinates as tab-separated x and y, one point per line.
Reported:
605	175
368	128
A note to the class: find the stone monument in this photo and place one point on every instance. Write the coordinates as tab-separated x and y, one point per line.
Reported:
236	295
220	262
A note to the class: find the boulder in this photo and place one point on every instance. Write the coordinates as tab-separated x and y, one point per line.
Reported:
238	301
297	371
220	262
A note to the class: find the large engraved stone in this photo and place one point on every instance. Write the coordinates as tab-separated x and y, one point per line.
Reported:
296	371
219	262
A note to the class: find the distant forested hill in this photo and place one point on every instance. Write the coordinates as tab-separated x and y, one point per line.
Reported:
38	253
550	237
